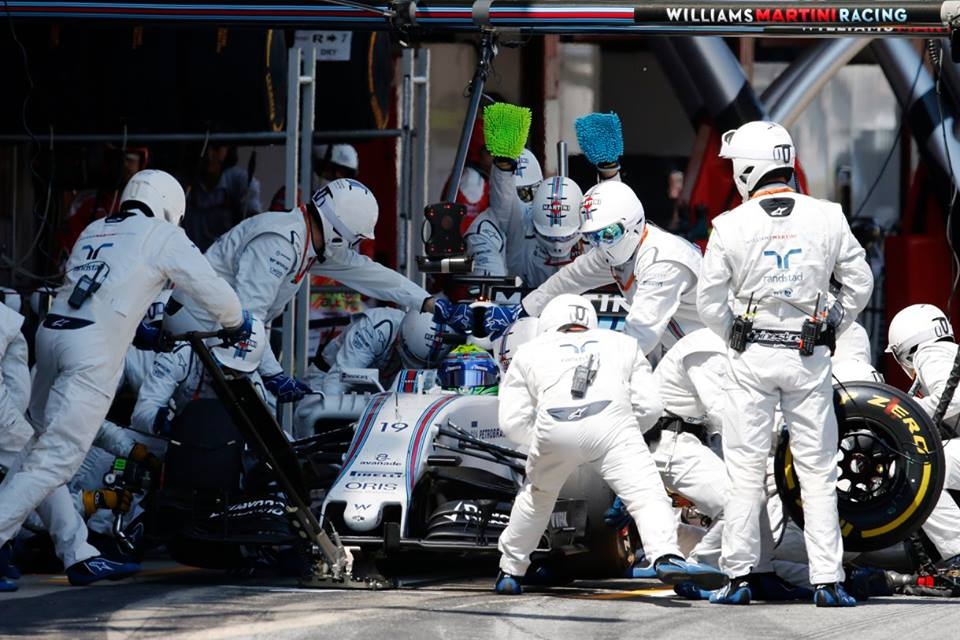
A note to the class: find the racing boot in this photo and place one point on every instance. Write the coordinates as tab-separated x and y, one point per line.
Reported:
737	591
771	587
6	569
99	568
691	591
832	595
508	585
673	569
642	568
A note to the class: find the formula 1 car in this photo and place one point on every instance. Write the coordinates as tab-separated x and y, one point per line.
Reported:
433	471
423	470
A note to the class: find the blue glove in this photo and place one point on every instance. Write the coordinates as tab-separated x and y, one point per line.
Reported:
617	516
150	336
162	426
499	318
286	388
241	332
458	317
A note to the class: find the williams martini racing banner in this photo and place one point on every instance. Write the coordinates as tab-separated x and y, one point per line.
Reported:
768	17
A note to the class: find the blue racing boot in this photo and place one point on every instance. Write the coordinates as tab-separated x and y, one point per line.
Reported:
508	585
832	595
773	588
99	568
642	568
7	570
673	569
691	591
737	591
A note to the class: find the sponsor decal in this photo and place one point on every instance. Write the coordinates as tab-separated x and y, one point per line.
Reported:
264	506
376	474
382	460
800	14
354	485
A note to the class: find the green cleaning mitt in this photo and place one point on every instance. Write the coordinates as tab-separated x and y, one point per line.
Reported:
505	129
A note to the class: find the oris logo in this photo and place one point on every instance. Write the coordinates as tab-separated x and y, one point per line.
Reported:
371	486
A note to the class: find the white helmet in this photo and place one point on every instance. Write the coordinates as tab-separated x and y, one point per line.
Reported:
757	148
612	220
527	175
420	342
348	212
565	310
556	215
850	370
913	326
245	355
159	192
11	298
505	347
343	155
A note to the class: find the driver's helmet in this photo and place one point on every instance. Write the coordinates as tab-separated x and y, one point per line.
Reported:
468	369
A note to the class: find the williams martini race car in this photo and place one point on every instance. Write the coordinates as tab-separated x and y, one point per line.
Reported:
431	470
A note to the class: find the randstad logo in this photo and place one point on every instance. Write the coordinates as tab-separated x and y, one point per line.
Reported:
783	261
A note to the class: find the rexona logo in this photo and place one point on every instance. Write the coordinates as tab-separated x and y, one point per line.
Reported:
718	15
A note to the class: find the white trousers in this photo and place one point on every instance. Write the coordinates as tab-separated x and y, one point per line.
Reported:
693	470
943	525
802	386
77	376
619	454
57	514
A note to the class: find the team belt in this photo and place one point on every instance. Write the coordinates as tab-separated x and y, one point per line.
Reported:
776	338
676	425
56	321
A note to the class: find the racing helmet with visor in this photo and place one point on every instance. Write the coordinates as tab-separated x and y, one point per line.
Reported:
612	220
420	343
556	215
468	369
527	175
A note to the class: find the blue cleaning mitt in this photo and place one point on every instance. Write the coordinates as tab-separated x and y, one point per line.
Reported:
601	137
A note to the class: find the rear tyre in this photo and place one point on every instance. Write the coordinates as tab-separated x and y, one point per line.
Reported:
891	467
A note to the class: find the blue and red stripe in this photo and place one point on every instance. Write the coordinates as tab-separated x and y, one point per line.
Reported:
367	420
415	452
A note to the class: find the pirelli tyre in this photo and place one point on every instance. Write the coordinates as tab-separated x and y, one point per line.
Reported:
891	466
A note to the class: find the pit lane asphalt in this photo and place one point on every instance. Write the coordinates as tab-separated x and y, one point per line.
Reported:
171	601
